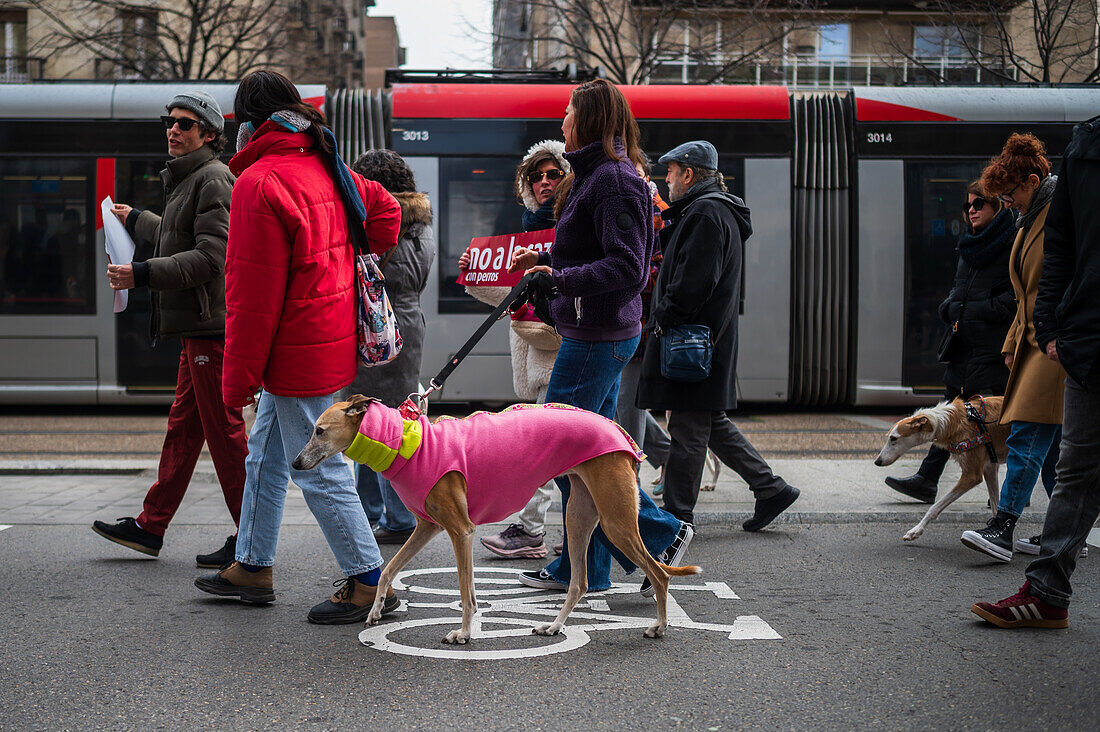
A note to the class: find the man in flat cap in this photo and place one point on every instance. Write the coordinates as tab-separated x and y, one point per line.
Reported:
186	276
700	284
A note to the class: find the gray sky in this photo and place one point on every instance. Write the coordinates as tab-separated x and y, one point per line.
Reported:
442	33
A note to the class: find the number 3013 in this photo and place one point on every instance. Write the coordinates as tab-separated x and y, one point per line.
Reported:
414	135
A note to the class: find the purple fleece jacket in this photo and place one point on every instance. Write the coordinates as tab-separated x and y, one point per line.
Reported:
602	247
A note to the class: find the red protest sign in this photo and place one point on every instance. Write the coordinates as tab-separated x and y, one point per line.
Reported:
490	255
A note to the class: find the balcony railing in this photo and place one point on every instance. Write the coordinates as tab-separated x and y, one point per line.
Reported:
815	72
19	69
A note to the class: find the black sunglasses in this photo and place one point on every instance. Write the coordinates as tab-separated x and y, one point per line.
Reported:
185	123
977	204
536	176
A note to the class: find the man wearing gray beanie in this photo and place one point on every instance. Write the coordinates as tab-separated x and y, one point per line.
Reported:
186	277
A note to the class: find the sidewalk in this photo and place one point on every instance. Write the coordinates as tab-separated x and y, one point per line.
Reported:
833	491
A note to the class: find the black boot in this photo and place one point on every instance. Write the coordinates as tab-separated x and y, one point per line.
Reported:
220	558
915	486
995	539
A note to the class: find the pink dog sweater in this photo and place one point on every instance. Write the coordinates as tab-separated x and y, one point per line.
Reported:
504	456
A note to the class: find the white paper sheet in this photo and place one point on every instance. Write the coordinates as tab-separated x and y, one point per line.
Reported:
119	245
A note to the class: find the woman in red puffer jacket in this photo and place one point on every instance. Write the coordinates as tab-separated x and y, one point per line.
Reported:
291	331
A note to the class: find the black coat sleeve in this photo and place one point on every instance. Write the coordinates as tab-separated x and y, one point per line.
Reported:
1059	258
696	266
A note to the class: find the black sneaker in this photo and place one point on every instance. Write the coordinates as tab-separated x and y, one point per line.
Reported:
671	557
768	509
915	486
127	533
995	539
540	579
220	558
1031	546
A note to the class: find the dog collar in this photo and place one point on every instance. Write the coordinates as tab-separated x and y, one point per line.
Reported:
379	456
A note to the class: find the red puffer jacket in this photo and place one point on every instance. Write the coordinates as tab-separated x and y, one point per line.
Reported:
290	272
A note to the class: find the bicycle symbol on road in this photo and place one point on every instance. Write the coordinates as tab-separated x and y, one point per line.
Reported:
507	598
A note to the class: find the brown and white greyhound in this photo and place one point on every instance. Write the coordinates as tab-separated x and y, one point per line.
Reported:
603	491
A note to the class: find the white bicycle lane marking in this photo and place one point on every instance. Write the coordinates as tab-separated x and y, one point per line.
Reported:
594	608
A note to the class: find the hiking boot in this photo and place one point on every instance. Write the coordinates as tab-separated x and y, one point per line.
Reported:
351	603
671	557
1022	610
515	542
915	486
1031	546
127	533
995	539
236	581
540	579
220	558
384	536
767	509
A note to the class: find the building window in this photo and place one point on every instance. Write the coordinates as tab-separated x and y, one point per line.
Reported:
13	46
834	42
139	51
933	41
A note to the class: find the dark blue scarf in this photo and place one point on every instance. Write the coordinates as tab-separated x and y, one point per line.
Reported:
541	219
982	249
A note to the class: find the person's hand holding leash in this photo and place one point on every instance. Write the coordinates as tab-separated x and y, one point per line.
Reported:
525	259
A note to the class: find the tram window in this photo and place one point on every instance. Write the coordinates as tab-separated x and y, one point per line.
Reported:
46	236
477	199
934	220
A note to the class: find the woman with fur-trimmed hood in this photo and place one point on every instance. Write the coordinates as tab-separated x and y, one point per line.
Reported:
532	343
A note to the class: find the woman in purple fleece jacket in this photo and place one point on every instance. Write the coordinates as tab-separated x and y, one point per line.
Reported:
599	264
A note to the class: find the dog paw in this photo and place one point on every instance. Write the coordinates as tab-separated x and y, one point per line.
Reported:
456	638
373	617
546	629
656	630
911	535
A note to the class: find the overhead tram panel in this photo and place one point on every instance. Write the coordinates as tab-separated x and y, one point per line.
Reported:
821	303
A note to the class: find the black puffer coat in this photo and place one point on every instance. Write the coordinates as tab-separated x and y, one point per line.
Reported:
699	282
983	305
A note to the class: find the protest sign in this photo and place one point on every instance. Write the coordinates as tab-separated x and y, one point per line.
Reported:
490	256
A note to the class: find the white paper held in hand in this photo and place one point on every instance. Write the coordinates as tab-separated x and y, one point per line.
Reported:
119	245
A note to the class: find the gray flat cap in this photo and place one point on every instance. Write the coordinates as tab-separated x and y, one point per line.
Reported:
697	153
201	104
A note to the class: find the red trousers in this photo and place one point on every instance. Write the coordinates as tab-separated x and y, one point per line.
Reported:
198	415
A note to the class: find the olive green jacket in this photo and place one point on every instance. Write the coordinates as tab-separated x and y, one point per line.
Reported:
186	273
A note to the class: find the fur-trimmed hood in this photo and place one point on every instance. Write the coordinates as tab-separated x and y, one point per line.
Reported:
555	148
415	209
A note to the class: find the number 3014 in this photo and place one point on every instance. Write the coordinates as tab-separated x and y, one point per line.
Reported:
879	137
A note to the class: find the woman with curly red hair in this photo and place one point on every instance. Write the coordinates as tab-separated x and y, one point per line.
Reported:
1020	177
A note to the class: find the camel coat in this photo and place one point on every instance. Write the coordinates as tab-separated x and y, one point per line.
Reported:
1036	384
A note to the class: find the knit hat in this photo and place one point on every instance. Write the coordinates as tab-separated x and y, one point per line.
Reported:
201	104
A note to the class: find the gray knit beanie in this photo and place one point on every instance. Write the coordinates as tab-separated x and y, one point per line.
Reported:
201	104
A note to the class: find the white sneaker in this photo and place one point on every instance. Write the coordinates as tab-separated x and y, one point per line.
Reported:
1030	545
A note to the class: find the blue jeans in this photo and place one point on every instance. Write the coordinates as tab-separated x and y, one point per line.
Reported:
282	428
586	375
1032	451
381	502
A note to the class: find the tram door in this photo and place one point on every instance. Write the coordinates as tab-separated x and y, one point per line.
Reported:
141	365
935	193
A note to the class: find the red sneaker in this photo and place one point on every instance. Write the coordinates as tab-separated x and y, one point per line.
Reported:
1022	610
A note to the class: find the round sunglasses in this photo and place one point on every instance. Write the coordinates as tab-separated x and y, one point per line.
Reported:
185	123
536	176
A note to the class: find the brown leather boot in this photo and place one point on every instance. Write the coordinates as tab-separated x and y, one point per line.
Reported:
351	603
236	581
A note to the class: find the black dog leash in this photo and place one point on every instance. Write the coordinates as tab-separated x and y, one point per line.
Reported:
417	402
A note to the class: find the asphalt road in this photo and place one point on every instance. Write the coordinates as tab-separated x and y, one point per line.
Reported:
874	634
